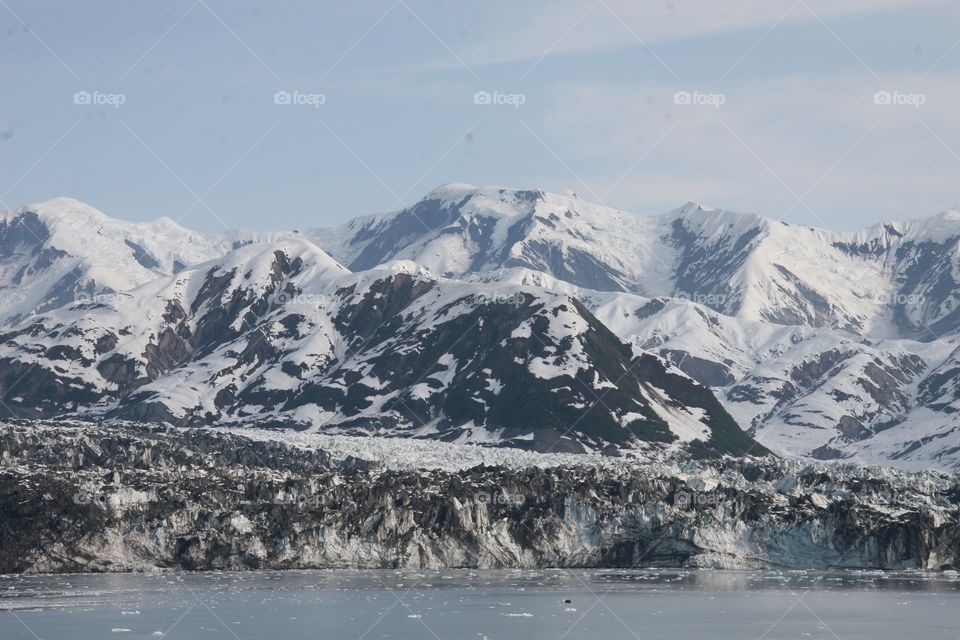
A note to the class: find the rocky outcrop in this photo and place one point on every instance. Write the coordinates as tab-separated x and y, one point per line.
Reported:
88	498
284	333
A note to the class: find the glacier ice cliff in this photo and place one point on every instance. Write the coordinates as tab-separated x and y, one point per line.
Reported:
121	498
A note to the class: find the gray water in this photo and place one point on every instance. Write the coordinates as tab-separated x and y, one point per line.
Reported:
465	605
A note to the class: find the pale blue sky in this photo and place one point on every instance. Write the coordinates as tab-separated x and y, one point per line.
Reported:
199	138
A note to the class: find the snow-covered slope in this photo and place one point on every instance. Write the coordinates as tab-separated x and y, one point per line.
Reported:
63	251
280	335
895	280
807	391
492	315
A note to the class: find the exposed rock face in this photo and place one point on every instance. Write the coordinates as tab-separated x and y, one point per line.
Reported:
738	264
285	334
114	499
476	309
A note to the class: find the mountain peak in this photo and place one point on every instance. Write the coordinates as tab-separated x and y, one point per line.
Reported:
63	208
937	228
62	249
690	205
455	192
450	189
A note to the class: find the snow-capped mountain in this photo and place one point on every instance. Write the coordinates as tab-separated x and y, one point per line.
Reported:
809	391
63	251
893	280
499	316
818	392
282	335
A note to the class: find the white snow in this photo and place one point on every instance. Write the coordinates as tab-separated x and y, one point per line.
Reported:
783	268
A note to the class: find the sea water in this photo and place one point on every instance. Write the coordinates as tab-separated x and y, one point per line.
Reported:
478	605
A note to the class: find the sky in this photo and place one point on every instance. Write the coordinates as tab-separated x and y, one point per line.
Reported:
287	115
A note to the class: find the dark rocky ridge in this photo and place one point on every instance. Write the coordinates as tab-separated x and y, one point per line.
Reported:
86	498
530	369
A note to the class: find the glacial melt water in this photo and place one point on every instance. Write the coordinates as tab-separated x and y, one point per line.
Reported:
479	605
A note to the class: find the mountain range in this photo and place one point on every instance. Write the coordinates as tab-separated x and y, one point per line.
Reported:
498	316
